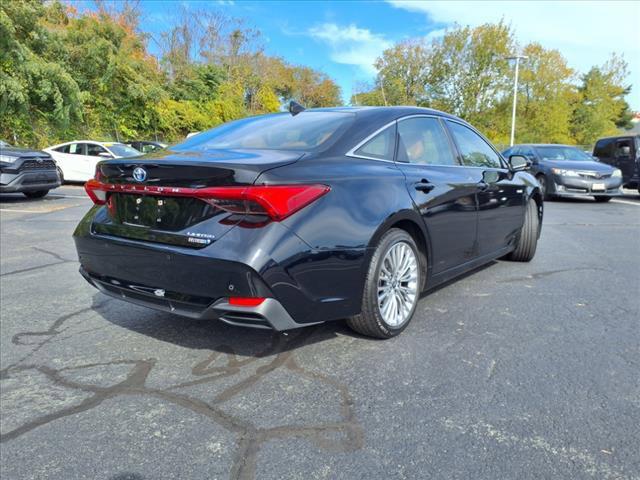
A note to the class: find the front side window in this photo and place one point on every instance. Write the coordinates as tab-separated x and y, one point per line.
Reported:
381	146
475	151
422	140
94	150
305	131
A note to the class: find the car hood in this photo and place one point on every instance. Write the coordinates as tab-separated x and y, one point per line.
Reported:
579	165
23	152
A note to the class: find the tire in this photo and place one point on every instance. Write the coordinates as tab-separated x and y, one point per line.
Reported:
371	321
61	175
602	199
528	238
542	180
36	194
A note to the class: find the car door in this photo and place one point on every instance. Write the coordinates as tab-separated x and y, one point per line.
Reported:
624	157
500	196
93	155
70	159
441	189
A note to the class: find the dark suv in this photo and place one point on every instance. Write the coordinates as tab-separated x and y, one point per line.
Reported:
31	172
624	153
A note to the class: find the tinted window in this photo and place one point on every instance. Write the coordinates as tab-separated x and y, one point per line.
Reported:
94	150
283	131
423	140
621	151
381	146
563	153
474	150
63	149
76	148
604	148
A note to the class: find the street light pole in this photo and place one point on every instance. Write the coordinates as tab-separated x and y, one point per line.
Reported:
517	58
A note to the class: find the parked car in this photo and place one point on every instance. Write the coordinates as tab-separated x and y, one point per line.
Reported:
566	171
621	152
30	172
77	160
280	221
146	147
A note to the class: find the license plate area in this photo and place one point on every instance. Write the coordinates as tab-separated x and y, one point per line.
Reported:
158	212
598	187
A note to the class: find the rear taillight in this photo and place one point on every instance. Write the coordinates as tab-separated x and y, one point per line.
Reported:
276	201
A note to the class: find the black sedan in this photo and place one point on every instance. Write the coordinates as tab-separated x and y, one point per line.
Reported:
286	220
30	172
567	171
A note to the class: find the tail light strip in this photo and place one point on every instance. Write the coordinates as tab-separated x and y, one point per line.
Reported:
276	201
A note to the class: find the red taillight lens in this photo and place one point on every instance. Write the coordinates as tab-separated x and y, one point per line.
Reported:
246	301
276	201
96	191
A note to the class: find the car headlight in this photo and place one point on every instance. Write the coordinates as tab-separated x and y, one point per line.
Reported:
617	173
8	158
565	173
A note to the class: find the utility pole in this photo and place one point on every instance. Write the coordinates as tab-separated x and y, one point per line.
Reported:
517	58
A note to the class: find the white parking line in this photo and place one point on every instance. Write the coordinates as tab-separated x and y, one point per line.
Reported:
626	202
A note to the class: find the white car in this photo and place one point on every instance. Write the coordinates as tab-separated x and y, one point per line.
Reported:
77	160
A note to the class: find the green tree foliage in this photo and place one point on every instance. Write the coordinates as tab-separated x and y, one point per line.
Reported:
466	72
602	108
66	75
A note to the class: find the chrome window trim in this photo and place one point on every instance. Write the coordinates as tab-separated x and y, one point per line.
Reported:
503	162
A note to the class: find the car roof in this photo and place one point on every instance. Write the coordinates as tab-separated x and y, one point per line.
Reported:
630	135
544	145
104	144
391	112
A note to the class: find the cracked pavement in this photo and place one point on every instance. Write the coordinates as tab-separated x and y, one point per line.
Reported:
514	371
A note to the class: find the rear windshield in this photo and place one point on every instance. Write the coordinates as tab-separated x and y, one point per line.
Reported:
279	131
563	153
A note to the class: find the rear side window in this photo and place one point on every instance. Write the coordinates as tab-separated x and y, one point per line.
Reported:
475	151
423	140
381	146
63	149
76	148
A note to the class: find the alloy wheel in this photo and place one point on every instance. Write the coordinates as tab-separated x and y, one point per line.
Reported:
398	284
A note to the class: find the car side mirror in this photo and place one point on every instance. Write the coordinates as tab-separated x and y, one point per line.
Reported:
518	163
105	155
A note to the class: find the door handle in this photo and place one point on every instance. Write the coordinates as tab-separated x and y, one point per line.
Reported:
424	186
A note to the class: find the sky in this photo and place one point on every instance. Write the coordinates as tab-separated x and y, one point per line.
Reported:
343	38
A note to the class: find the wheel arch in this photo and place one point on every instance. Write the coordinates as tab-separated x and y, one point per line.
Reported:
411	222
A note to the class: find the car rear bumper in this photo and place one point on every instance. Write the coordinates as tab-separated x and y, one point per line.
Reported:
270	262
29	181
270	314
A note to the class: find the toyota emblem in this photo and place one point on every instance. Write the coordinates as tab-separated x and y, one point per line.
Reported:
139	174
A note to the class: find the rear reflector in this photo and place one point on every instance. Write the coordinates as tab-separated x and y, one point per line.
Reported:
245	301
276	201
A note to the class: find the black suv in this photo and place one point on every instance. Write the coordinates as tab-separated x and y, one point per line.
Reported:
31	172
622	152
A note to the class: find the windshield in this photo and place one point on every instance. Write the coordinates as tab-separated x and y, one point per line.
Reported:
563	153
122	150
281	131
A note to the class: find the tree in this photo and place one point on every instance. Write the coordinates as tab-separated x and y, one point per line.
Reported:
602	108
403	73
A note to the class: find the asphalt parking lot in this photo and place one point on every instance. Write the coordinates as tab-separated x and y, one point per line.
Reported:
515	371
